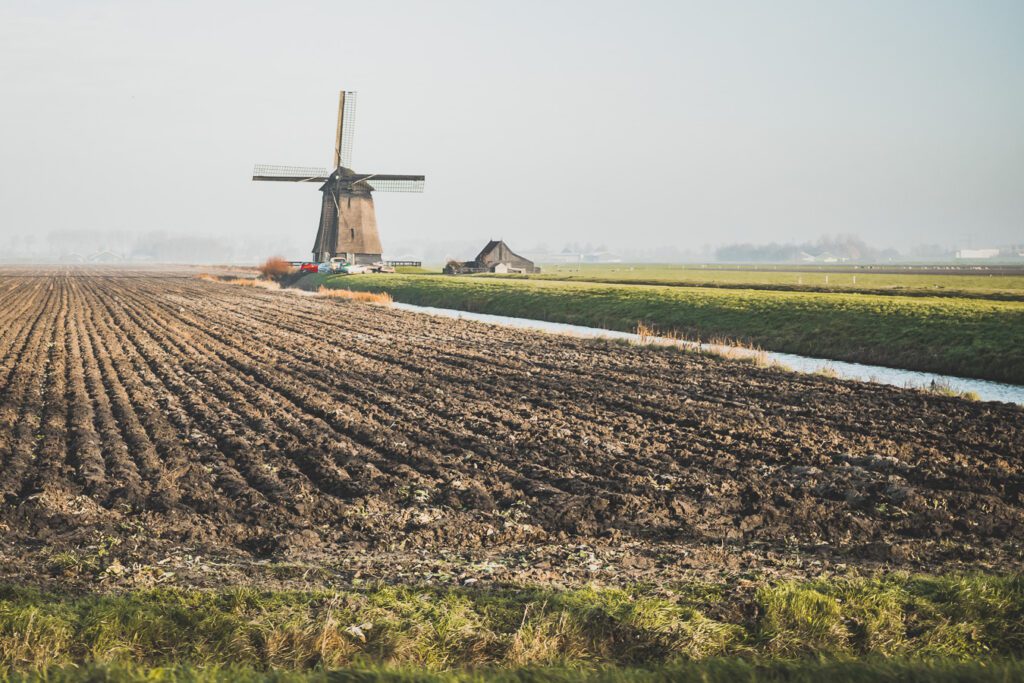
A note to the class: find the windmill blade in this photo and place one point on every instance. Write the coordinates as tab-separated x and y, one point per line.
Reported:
290	174
346	129
385	182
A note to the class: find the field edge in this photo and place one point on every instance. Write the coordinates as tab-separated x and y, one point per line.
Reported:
884	619
961	337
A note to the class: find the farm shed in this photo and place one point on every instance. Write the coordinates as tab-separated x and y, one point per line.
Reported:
496	257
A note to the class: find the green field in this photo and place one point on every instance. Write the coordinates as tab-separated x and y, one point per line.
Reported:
953	627
968	337
913	282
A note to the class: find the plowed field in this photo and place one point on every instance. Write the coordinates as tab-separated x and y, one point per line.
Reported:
164	420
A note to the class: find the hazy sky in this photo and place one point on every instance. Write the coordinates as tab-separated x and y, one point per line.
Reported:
662	123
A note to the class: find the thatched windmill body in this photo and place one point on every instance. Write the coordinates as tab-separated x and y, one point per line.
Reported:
348	222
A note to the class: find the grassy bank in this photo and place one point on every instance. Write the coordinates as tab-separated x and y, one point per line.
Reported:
936	283
862	627
714	671
966	337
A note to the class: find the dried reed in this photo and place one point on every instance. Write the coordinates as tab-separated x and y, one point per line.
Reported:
382	298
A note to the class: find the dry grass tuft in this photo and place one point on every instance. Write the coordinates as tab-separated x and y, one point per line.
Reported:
249	282
827	371
739	351
550	638
32	636
242	281
801	621
718	348
382	298
944	388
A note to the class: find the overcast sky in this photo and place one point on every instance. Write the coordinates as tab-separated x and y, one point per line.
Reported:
654	123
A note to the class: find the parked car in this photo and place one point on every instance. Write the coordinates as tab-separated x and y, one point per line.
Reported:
354	269
325	268
308	268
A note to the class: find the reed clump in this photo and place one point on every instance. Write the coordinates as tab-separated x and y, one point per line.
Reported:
381	298
240	281
253	282
943	388
717	348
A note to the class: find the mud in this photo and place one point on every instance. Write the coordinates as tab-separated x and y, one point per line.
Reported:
160	428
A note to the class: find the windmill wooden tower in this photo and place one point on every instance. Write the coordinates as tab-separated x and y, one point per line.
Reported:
348	222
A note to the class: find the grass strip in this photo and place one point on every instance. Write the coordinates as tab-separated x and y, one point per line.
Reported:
731	670
951	618
964	337
1000	287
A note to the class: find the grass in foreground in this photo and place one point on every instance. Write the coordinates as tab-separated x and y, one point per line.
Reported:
966	337
864	625
711	671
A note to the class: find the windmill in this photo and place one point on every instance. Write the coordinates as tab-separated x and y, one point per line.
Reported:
348	222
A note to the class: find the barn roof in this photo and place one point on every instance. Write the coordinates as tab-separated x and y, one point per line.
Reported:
497	251
491	246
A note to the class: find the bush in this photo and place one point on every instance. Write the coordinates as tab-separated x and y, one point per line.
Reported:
275	268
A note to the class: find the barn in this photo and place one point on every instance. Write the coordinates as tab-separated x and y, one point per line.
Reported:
496	257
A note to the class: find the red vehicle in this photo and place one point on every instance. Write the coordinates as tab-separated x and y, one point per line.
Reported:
308	268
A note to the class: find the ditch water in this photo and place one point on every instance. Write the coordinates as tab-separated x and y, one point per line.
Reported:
986	390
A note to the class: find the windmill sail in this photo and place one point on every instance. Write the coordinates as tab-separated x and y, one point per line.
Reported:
293	174
395	183
346	129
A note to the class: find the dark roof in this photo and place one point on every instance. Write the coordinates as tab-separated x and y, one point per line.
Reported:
491	246
497	251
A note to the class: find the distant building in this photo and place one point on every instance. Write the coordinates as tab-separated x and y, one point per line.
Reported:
105	256
977	253
823	257
600	255
828	257
496	257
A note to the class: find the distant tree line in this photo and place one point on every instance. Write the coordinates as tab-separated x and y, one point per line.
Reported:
78	246
838	247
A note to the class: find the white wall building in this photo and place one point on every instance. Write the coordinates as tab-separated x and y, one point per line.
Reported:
977	253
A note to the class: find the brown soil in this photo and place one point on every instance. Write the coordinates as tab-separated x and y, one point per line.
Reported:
157	427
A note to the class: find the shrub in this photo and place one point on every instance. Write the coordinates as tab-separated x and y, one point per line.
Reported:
275	268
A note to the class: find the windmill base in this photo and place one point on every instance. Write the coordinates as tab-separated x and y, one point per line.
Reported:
356	259
348	225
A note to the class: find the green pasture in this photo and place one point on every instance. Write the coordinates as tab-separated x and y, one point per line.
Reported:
793	278
968	337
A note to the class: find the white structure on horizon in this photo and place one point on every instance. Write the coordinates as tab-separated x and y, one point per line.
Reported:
977	253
